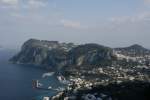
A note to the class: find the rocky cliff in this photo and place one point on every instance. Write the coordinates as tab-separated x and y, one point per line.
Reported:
58	55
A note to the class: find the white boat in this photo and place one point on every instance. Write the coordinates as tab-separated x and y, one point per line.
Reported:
62	79
37	84
49	87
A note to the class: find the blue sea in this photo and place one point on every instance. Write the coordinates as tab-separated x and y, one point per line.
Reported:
16	80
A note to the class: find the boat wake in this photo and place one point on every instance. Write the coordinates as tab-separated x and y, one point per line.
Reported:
48	74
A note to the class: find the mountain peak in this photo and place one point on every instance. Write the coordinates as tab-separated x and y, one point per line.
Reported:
136	46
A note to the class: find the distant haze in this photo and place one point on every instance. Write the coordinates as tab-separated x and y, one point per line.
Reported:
114	23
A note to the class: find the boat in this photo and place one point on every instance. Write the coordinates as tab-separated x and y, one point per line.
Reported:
62	79
36	84
49	87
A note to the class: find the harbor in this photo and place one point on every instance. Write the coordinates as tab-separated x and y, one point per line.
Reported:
39	86
48	87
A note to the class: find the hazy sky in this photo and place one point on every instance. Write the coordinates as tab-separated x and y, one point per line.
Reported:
109	22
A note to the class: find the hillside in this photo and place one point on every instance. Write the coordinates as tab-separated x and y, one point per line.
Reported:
133	50
58	55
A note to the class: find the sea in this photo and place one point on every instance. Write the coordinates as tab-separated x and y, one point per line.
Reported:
16	80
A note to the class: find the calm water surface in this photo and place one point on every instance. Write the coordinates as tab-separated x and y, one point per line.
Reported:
16	80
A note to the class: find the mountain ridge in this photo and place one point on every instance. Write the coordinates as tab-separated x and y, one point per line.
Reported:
55	54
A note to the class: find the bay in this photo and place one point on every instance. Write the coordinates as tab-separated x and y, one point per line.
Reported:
16	80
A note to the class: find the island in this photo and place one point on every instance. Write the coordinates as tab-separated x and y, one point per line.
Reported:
92	71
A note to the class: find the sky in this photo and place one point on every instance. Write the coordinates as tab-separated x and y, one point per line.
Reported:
114	23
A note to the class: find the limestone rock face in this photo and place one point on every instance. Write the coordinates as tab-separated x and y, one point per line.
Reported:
91	54
55	54
40	52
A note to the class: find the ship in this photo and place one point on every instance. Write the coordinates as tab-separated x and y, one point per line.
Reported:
36	84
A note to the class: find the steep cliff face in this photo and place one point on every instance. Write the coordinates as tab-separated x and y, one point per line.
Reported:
91	54
46	53
53	53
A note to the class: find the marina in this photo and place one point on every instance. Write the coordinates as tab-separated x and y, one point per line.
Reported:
37	85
